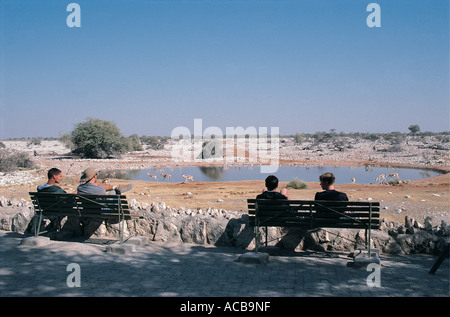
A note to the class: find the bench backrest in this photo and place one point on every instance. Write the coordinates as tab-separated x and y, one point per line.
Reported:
314	214
80	205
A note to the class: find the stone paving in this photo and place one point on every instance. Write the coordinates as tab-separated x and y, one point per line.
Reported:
187	270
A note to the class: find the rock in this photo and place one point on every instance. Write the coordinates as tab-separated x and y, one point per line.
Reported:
134	204
139	240
35	241
155	207
253	258
393	232
3	202
409	222
401	229
419	242
443	229
21	220
362	258
120	249
418	225
15	219
392	247
428	224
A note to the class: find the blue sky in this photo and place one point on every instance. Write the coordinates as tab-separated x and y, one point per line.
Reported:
152	66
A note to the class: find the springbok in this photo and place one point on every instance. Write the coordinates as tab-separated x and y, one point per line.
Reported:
188	177
166	175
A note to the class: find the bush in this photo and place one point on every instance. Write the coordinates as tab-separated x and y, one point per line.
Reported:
98	139
13	161
134	143
34	141
66	139
155	142
298	138
297	184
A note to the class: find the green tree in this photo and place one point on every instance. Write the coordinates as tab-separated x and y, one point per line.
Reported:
414	128
97	138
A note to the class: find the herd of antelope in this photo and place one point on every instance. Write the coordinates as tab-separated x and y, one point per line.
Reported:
168	176
382	177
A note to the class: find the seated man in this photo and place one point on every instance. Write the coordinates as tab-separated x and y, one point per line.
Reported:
270	193
54	177
90	186
329	193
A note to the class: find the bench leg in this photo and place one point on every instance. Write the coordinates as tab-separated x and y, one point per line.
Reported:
440	259
37	224
267	238
121	226
256	238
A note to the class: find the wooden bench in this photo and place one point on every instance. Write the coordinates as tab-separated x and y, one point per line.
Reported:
310	214
113	207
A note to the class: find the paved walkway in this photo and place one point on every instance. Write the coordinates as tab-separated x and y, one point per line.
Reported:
185	270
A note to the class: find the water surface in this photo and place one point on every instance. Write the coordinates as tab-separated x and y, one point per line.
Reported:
344	174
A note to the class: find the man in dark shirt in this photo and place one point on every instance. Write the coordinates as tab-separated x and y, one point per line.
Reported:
329	193
270	193
54	177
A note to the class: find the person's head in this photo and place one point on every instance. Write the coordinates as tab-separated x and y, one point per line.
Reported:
326	180
54	175
271	182
89	174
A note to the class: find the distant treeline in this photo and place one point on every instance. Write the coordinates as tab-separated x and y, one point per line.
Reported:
154	140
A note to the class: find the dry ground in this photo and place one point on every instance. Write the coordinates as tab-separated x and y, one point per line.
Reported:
428	197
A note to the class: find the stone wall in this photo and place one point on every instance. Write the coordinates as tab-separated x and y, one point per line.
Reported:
230	228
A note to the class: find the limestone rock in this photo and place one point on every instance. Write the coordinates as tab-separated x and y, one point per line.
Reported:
35	241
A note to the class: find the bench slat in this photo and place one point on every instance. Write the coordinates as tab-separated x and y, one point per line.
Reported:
312	202
283	207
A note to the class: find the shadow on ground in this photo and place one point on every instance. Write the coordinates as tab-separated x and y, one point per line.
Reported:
165	269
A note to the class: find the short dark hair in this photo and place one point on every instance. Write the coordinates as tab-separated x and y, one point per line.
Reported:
271	182
53	172
327	177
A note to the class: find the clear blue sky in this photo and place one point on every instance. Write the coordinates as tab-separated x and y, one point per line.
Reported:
151	66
